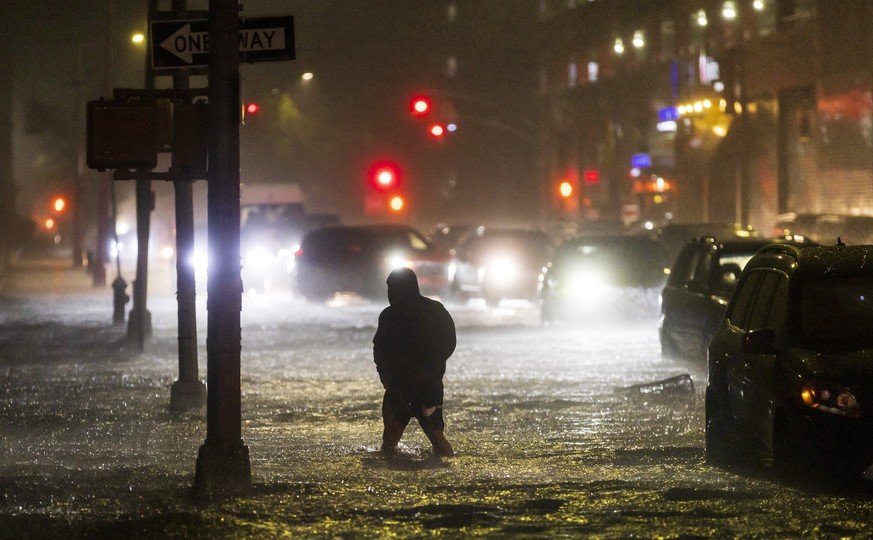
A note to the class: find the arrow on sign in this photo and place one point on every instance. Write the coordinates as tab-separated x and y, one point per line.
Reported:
185	44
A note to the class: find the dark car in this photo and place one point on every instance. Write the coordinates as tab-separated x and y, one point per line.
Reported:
601	276
791	366
674	236
498	263
358	258
701	281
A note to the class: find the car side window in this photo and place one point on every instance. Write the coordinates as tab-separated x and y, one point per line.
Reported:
684	267
778	316
703	269
742	304
759	316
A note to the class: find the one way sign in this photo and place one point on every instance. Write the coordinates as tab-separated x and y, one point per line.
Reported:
185	43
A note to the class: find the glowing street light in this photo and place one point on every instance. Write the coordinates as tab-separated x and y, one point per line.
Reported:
137	38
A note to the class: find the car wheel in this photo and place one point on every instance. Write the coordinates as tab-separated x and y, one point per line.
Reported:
718	448
457	294
668	348
784	447
547	314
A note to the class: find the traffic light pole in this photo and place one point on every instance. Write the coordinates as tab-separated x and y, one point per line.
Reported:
223	467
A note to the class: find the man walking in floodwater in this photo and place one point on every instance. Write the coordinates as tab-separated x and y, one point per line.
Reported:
416	336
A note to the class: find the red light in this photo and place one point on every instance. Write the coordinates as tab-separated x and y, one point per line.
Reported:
565	189
59	204
252	108
384	176
437	130
592	176
420	106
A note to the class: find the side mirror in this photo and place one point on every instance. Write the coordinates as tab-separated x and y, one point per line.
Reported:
759	342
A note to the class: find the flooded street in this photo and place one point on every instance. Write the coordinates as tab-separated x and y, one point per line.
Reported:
557	432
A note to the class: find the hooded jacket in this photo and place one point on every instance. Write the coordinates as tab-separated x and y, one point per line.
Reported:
416	335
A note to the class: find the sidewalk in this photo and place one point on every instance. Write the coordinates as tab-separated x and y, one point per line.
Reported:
45	275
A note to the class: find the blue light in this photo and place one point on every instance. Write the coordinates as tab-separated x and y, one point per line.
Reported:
668	113
641	161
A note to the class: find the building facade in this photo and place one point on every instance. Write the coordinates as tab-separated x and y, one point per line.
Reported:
706	110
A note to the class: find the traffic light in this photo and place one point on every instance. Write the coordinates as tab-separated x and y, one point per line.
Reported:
420	106
396	204
385	176
592	176
252	108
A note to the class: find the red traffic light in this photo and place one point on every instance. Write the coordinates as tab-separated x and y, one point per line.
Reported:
420	106
252	108
592	176
384	176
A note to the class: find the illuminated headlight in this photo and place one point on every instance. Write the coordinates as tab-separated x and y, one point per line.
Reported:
257	256
199	261
397	260
590	284
503	270
831	398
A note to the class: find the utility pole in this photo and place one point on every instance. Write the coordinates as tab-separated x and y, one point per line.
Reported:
223	467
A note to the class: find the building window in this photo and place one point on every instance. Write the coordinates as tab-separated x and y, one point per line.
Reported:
668	40
765	16
698	24
452	12
451	67
572	75
593	71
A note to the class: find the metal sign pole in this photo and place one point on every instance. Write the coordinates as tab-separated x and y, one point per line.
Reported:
223	467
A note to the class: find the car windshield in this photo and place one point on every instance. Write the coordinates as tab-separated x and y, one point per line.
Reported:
401	239
536	247
837	310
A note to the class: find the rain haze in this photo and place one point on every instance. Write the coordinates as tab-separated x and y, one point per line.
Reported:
548	169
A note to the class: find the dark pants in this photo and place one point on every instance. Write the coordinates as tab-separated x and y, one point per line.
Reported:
398	410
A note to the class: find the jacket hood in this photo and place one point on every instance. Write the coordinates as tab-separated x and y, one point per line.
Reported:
402	287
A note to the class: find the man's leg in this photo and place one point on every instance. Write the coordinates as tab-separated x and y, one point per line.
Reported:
431	421
395	417
430	417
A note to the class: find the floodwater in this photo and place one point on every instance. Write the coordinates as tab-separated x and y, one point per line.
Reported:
558	431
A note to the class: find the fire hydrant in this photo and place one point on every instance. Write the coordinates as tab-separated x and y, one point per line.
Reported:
120	299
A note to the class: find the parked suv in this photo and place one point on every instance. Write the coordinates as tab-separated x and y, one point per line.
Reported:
700	283
791	366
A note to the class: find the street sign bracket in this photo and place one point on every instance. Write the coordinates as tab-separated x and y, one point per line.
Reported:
173	175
